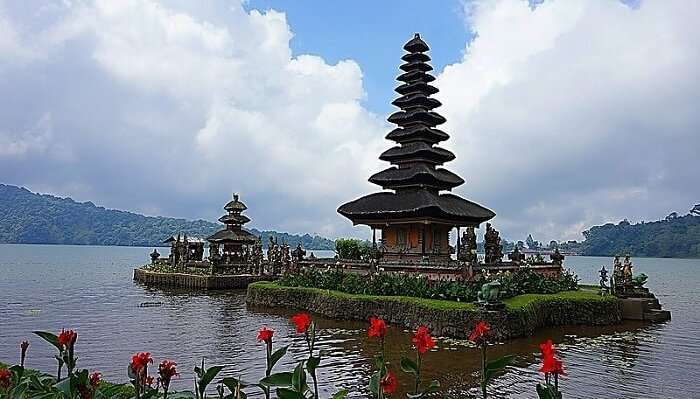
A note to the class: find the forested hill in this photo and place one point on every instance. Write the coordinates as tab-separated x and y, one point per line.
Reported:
28	218
674	237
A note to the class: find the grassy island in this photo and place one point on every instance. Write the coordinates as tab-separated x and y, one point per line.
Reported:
522	316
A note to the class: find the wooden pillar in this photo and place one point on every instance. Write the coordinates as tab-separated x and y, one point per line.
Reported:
374	236
422	236
457	245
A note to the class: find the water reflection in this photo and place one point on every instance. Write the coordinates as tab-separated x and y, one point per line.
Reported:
90	289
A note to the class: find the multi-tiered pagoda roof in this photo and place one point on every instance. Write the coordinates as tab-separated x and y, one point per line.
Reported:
415	176
234	221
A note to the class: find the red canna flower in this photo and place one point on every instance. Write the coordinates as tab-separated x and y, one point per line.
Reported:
167	370
140	360
547	349
149	380
478	334
265	335
388	383
377	328
302	321
67	338
423	340
95	379
5	378
550	365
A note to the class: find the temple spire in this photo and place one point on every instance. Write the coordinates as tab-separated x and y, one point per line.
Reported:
416	156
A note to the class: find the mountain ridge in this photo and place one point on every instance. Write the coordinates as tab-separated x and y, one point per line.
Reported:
33	218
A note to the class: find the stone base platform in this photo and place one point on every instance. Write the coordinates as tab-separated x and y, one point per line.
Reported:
197	281
647	309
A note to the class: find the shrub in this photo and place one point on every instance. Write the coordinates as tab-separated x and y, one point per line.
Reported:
523	281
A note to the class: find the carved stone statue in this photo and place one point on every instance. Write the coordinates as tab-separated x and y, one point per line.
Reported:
603	280
154	256
556	257
489	296
627	269
467	250
492	245
516	256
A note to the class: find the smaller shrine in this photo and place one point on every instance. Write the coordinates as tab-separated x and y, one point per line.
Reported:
234	247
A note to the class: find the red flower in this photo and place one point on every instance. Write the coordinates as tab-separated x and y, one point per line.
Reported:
95	379
67	338
478	334
149	380
302	321
377	328
547	349
388	383
141	360
5	378
265	335
550	365
423	340
167	370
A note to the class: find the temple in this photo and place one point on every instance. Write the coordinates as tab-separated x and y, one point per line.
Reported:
232	244
416	216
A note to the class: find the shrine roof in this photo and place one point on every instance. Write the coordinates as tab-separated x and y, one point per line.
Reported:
415	204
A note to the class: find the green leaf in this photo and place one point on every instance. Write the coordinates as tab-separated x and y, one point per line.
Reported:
64	386
500	363
340	394
278	380
545	391
374	383
284	393
299	377
379	361
312	364
18	391
433	387
231	383
277	355
50	338
408	365
209	375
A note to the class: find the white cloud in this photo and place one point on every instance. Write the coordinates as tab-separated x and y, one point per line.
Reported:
562	115
188	109
561	112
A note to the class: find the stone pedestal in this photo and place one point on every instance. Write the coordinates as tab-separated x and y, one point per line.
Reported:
647	309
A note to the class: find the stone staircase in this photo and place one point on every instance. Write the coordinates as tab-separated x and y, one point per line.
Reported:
647	309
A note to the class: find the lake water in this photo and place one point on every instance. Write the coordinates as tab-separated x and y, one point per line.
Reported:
89	289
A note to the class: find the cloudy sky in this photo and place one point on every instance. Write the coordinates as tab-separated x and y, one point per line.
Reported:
563	114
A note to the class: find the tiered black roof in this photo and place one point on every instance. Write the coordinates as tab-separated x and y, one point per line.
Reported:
414	174
234	221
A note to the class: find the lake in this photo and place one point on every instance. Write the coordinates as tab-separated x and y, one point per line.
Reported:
90	289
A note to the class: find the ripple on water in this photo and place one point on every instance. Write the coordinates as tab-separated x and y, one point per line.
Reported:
90	289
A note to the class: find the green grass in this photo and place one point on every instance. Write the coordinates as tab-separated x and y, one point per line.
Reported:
423	302
584	294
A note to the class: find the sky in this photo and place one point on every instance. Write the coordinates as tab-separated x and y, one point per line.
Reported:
562	114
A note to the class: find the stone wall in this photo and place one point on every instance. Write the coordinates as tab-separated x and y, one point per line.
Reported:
196	281
455	320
